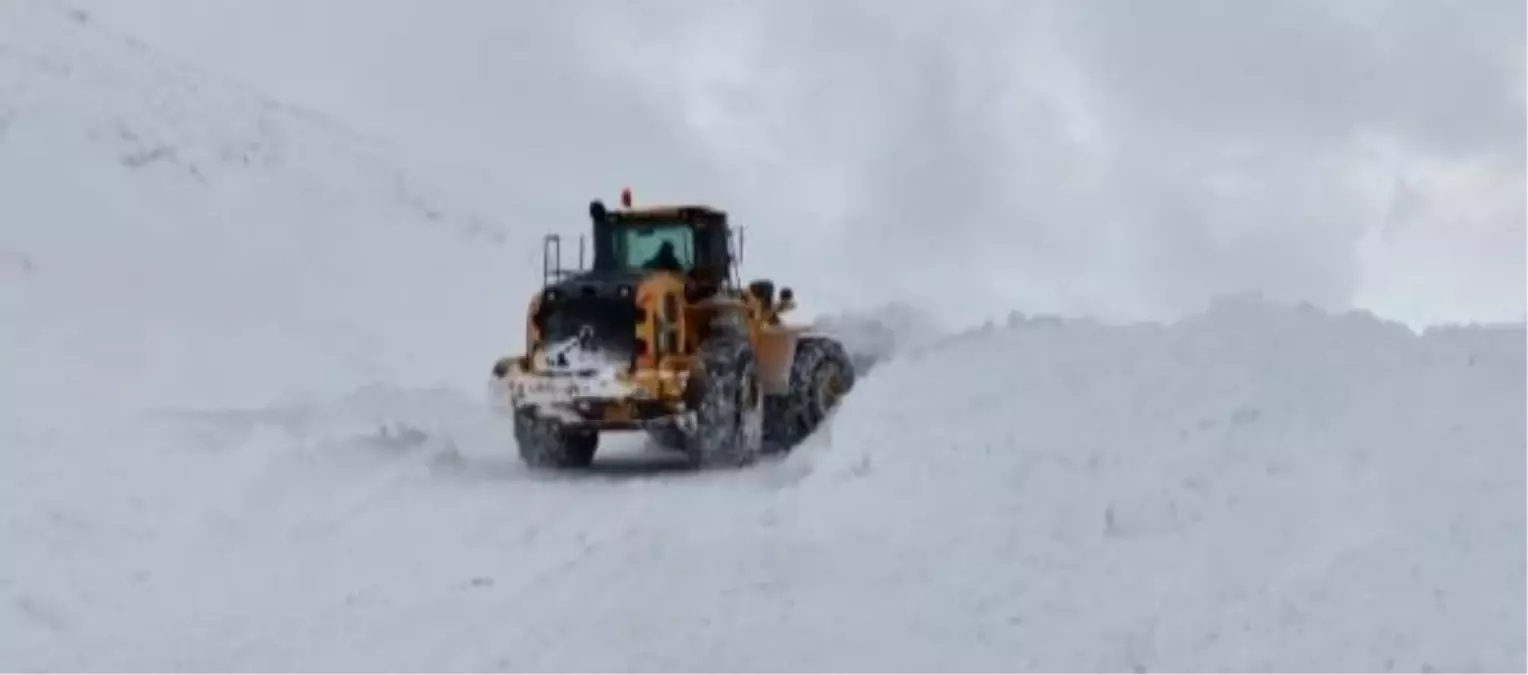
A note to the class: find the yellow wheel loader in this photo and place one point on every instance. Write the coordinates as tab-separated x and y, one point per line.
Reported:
659	335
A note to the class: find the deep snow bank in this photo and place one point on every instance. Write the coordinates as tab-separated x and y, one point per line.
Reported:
1255	488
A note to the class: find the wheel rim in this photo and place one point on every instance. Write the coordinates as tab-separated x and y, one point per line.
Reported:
830	388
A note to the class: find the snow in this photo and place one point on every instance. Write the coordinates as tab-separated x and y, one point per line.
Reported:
230	246
1258	488
243	429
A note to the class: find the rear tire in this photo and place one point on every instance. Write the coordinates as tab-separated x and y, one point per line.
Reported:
546	444
821	375
728	401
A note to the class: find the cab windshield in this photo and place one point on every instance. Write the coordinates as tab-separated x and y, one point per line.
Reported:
667	246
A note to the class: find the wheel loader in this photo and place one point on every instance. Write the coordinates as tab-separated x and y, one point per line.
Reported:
658	335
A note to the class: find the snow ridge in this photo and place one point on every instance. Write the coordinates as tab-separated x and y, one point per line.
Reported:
1259	487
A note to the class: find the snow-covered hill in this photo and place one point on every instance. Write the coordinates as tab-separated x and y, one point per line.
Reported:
196	242
240	430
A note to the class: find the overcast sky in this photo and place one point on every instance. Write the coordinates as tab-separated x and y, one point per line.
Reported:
1117	158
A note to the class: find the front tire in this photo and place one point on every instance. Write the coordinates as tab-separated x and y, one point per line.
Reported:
546	444
821	375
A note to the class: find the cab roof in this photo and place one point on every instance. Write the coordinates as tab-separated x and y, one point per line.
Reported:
669	211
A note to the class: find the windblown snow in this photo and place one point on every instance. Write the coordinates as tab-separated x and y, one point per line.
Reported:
242	429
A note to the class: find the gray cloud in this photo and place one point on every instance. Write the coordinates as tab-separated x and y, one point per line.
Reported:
1109	156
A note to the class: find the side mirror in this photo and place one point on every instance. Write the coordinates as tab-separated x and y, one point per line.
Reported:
764	290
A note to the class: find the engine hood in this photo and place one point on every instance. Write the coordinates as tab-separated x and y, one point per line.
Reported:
605	284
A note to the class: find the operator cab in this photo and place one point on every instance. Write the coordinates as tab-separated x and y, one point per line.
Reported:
689	240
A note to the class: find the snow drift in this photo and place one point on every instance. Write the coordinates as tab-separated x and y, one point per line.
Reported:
241	431
1257	488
